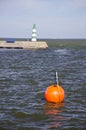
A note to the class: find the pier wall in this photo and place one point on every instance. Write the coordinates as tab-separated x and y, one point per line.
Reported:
24	44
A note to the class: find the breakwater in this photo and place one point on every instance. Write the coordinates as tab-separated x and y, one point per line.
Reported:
24	45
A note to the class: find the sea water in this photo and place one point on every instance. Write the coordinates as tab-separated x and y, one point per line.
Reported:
24	77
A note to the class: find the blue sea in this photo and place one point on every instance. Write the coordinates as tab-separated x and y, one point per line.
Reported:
24	77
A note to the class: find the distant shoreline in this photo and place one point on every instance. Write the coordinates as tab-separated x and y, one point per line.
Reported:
43	39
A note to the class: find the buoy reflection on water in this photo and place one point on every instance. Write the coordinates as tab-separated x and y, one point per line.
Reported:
52	108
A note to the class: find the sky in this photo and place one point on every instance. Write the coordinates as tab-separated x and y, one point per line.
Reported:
57	19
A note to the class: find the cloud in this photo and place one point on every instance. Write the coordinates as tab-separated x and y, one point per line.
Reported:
79	3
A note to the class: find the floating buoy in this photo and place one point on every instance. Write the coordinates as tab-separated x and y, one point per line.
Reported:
54	93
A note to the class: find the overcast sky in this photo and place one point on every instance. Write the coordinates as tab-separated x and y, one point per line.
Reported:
53	18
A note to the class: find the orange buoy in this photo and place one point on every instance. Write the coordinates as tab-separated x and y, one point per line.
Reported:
54	93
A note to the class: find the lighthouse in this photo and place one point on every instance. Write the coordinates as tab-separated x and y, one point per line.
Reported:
34	33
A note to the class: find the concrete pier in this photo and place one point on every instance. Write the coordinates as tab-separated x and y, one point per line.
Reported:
24	45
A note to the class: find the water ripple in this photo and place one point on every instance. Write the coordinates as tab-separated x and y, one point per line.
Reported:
24	76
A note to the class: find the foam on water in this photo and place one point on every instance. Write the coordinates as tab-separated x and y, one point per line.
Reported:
62	51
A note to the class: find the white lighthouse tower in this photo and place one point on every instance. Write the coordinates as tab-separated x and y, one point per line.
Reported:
34	33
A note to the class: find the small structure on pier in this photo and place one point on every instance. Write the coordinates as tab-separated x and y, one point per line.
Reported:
34	33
